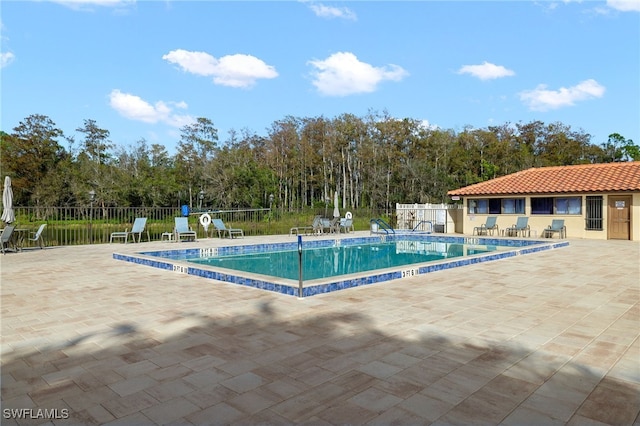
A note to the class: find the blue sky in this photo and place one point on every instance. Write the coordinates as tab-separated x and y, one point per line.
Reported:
144	69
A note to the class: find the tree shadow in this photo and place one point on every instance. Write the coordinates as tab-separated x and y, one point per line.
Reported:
322	369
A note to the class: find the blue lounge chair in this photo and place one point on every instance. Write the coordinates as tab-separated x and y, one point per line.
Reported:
520	228
557	226
138	228
222	229
488	227
182	230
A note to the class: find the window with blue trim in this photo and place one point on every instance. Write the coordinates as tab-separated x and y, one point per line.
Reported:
556	205
496	206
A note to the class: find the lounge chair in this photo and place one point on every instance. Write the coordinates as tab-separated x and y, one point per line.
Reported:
318	225
6	238
307	230
182	230
346	224
488	227
222	229
138	228
557	226
37	236
521	227
329	225
325	225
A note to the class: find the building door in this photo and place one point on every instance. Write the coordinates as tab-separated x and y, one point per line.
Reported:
619	217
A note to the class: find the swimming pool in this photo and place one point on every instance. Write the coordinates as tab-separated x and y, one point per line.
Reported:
341	259
334	264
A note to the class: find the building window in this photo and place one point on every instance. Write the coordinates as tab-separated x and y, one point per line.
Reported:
496	206
556	205
513	206
542	206
483	206
594	213
570	205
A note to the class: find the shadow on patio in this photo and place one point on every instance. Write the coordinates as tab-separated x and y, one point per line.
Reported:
327	369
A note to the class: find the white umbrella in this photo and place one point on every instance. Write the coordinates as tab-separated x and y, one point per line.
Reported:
336	210
8	215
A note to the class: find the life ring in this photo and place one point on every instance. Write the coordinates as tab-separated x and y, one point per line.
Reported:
348	215
205	220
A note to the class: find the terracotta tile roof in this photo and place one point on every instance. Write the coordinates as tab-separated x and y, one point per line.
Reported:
561	179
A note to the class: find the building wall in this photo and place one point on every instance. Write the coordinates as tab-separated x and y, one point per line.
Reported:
575	224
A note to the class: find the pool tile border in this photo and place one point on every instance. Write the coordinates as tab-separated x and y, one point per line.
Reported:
154	259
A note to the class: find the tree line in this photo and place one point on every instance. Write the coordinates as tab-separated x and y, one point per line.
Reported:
372	161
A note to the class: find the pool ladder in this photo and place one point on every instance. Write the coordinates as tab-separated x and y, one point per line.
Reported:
378	226
428	222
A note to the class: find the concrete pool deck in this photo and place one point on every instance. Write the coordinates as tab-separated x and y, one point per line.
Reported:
547	338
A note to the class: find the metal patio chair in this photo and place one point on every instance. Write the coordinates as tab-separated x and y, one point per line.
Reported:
520	228
556	227
488	227
6	239
183	230
222	229
38	237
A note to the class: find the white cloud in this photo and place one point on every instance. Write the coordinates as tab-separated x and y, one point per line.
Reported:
624	5
342	74
87	4
232	70
486	71
425	124
332	12
6	58
542	99
135	108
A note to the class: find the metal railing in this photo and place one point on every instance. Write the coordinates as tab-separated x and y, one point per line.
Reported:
87	225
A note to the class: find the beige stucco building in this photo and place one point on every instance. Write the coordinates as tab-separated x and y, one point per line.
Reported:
597	201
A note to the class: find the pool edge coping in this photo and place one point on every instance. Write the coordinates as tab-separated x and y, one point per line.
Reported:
283	286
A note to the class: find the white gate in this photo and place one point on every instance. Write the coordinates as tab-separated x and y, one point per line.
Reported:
425	217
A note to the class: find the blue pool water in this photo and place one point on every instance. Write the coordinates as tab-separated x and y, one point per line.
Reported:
339	260
334	264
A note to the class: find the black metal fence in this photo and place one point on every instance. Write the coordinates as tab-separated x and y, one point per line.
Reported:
94	225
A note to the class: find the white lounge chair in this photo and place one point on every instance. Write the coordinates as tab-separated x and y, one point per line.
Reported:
37	236
182	230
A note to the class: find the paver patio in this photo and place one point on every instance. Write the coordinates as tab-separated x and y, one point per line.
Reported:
546	338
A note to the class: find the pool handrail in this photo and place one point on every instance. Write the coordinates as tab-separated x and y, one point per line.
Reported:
430	223
382	226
